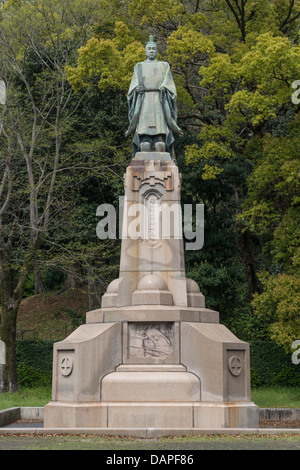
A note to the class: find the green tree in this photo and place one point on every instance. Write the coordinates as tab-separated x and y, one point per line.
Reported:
39	165
272	210
234	64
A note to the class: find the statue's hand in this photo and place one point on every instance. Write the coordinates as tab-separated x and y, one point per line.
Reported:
139	89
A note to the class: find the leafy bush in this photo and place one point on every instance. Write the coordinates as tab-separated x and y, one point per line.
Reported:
29	286
30	377
34	362
271	365
53	278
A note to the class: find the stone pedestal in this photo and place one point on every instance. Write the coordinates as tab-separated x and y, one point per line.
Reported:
153	355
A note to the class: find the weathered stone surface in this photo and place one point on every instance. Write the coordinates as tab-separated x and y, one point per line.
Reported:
150	414
75	415
82	359
142	313
211	347
156	416
150	387
153	356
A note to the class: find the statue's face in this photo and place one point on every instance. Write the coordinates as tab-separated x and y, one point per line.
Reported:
151	51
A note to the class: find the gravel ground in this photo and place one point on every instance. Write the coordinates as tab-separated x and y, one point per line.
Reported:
279	424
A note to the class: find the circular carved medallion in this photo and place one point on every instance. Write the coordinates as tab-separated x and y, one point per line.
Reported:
66	366
235	365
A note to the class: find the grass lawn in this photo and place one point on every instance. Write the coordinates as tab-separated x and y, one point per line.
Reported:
189	444
39	396
264	397
276	397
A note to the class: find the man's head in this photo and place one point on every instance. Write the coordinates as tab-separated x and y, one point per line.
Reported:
151	49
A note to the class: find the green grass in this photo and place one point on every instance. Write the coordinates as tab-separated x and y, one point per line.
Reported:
276	397
264	397
188	444
39	396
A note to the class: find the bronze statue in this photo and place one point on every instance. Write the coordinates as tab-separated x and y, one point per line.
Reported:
152	104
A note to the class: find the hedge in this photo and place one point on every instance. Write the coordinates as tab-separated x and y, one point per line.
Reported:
34	362
270	365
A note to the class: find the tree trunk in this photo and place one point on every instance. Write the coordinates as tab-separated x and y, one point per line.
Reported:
38	283
94	294
11	292
8	327
8	335
246	245
73	280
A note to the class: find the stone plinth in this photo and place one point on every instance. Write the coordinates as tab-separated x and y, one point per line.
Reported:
153	355
155	415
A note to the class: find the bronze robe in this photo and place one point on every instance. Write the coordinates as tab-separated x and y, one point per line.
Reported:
152	112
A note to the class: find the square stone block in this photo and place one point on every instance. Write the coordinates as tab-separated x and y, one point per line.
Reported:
225	415
152	297
196	300
75	415
150	387
109	300
209	416
152	415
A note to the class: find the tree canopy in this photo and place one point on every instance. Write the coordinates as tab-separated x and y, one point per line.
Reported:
67	66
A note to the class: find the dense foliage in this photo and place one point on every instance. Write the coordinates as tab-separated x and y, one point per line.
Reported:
67	66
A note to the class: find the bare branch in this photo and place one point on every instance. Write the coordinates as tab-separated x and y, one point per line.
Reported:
234	13
239	15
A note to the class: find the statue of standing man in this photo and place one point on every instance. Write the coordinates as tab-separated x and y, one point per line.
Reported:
152	104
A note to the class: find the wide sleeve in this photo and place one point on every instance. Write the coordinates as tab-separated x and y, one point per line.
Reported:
168	81
134	81
134	101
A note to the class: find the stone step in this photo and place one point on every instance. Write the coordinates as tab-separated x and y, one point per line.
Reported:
151	386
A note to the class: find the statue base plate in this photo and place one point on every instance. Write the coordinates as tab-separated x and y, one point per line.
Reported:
152	156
